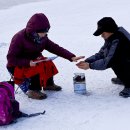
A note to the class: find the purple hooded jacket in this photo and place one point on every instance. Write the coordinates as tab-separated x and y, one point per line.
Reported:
22	49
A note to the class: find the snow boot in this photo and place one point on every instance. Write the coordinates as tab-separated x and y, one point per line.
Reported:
35	94
116	81
53	87
125	93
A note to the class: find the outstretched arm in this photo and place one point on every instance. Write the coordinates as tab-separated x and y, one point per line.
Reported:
60	51
75	59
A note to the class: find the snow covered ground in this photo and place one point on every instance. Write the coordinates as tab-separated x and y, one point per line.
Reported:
72	25
4	4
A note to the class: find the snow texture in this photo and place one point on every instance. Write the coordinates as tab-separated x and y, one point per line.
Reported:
72	25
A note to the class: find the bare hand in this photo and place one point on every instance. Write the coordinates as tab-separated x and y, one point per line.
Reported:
32	64
75	59
83	65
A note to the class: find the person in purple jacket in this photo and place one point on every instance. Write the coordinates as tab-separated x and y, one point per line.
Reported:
27	45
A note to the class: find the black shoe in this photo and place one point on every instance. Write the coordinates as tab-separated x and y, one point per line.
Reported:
116	81
125	93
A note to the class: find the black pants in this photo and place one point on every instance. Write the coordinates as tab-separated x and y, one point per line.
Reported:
123	73
35	80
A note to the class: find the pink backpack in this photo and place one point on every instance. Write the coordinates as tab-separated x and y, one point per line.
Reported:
9	107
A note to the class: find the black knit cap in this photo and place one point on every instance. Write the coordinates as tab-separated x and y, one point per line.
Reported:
106	24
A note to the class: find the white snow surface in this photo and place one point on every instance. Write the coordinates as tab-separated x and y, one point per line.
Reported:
72	25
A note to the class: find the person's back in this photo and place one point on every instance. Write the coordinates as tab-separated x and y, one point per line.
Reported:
122	52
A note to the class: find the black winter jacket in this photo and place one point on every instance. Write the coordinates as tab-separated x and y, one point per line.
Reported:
115	53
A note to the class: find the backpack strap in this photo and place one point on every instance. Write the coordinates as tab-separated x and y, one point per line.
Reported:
36	114
32	115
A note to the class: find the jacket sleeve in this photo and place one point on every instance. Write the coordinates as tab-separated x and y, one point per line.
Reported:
14	55
95	57
102	64
60	51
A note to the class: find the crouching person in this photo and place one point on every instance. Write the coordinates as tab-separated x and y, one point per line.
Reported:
25	48
114	54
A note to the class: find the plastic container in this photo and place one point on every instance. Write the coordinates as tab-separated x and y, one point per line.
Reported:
79	83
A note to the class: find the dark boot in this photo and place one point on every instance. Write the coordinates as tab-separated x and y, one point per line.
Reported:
34	94
34	91
116	81
125	93
51	85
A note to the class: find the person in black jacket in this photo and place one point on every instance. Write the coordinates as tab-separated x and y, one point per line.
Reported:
115	53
